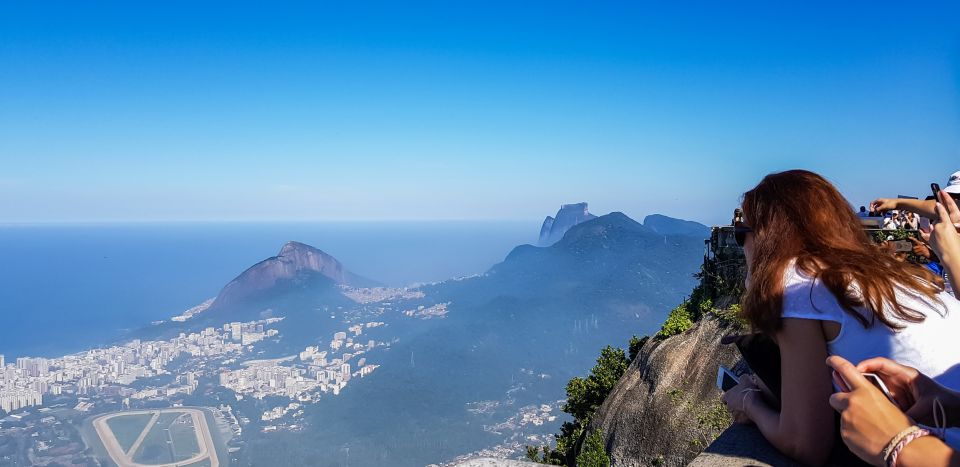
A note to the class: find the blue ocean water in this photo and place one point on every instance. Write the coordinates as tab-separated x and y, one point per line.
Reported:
65	288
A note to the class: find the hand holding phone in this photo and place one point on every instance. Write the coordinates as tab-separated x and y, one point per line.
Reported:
935	187
872	378
726	380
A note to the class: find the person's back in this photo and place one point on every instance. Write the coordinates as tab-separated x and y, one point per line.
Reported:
930	345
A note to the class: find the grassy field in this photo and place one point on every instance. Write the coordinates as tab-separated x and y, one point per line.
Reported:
184	439
127	428
157	447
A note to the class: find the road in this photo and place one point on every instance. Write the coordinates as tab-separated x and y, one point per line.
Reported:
125	459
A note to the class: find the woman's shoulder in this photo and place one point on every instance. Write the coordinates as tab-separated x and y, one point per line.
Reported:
805	296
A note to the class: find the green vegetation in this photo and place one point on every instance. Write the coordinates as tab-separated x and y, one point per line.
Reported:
593	453
732	316
184	438
698	306
721	279
584	397
712	418
881	236
636	343
156	447
127	428
678	321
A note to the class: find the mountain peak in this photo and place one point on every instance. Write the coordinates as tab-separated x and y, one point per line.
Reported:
295	261
568	216
294	248
604	228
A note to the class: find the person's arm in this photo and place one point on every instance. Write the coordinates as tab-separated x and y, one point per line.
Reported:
928	451
869	422
945	240
803	428
914	391
921	207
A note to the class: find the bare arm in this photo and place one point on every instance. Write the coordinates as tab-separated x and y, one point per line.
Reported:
945	239
869	422
928	452
804	427
921	207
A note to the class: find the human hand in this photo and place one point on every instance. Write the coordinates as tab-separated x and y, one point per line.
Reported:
868	421
919	248
883	205
736	398
913	391
951	207
944	238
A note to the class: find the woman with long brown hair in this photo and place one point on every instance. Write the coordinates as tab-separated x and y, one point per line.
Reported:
818	286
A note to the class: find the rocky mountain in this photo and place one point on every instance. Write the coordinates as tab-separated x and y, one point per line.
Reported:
609	259
669	226
295	262
467	360
568	216
666	408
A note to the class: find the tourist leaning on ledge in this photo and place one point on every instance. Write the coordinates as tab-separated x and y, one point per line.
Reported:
878	431
818	286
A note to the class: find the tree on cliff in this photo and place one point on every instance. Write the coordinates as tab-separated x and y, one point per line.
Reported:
584	396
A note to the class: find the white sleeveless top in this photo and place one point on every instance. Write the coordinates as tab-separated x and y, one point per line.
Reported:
932	346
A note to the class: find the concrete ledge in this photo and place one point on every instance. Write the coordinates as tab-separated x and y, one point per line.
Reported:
741	445
493	462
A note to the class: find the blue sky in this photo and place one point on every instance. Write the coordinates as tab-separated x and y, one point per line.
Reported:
137	111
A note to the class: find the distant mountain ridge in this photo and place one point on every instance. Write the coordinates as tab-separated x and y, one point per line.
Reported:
535	318
665	225
294	261
608	257
568	216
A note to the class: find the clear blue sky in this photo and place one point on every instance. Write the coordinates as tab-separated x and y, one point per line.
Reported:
147	111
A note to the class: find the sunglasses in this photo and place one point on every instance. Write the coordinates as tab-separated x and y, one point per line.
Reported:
740	231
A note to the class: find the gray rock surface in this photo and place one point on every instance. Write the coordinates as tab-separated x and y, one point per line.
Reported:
666	408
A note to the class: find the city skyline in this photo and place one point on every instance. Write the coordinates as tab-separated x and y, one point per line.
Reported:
493	111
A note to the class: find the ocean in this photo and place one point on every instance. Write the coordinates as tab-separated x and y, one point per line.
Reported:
65	288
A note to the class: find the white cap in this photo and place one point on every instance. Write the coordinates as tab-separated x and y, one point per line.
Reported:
953	185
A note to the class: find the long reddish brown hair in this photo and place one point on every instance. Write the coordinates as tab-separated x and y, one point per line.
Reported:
799	214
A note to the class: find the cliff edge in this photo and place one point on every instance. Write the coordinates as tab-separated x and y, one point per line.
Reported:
666	408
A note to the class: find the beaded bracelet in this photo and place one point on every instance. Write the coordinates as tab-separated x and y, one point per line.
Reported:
905	437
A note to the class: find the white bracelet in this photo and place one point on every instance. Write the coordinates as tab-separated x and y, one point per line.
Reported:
747	392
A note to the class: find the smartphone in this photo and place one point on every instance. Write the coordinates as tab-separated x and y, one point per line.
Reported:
726	380
874	380
936	191
901	246
924	223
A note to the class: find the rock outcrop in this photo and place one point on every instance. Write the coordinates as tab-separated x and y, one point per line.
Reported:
568	216
295	261
666	408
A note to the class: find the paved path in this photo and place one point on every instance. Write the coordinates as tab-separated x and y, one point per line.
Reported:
125	459
143	434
